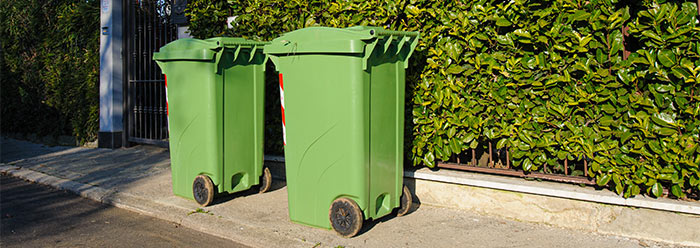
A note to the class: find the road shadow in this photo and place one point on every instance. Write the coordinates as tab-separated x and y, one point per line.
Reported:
26	205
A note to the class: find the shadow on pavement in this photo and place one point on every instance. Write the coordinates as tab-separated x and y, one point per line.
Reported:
12	150
225	197
369	224
107	168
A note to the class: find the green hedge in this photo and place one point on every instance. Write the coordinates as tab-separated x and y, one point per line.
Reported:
49	67
544	79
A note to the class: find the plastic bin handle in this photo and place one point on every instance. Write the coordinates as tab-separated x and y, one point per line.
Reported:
393	33
244	43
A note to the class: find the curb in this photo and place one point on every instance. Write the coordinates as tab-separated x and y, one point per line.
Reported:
235	231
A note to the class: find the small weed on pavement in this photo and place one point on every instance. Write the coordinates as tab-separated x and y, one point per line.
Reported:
199	211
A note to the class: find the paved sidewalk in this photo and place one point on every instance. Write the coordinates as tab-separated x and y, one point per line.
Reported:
138	179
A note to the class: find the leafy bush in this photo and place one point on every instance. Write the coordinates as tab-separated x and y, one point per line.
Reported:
544	79
49	67
663	111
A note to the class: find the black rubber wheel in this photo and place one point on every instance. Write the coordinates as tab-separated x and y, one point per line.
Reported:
265	181
203	190
406	202
346	217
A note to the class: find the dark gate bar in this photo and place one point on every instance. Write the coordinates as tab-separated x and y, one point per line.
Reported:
147	28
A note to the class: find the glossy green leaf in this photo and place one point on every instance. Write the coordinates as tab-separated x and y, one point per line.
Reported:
657	190
527	164
663	119
609	109
655	147
455	69
677	191
616	46
667	58
666	131
581	15
652	35
603	180
429	159
663	88
501	143
456	147
503	22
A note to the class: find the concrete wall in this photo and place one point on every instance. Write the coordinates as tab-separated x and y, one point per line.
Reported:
632	222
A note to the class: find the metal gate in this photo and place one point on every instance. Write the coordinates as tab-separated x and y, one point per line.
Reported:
147	27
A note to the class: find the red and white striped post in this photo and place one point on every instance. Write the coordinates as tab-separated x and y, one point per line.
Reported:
284	128
167	109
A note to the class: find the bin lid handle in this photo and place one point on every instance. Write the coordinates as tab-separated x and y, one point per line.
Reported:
388	43
414	43
216	61
252	53
236	52
400	45
368	53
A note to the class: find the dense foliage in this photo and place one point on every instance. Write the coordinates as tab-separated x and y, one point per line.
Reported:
49	67
546	80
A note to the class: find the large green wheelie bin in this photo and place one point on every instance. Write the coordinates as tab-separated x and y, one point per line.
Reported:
343	101
215	98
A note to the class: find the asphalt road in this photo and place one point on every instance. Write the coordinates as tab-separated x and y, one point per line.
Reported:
39	216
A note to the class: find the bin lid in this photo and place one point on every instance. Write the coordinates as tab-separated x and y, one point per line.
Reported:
329	40
196	49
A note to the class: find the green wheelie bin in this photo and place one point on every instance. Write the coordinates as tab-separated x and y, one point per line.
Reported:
215	99
343	101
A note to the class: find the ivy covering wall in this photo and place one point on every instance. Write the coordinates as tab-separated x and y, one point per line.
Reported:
49	67
547	80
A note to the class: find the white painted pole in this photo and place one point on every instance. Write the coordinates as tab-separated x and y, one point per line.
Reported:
111	81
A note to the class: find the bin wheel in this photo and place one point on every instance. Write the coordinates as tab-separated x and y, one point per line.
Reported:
265	181
203	190
406	202
346	217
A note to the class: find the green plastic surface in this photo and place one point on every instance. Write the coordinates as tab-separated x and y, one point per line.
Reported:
215	91
344	115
